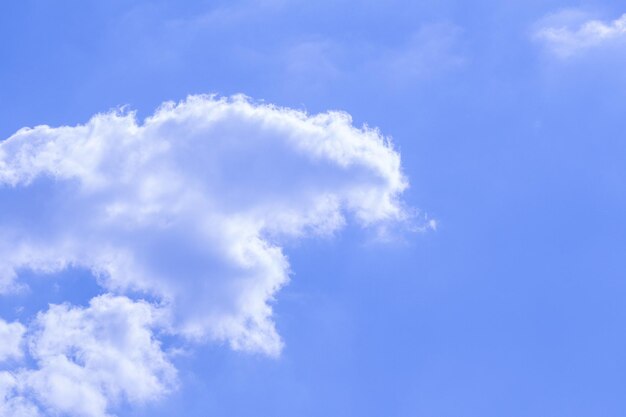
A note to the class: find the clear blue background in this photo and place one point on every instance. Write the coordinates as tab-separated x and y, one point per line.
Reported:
513	307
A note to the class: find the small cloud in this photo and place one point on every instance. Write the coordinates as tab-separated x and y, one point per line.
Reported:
571	32
89	359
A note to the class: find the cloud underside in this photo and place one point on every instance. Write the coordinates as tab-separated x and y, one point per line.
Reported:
190	209
565	41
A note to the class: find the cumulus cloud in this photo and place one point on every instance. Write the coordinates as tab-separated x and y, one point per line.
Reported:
570	32
189	208
89	359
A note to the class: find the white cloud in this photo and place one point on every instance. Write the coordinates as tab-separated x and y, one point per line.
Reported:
569	32
11	335
189	207
89	360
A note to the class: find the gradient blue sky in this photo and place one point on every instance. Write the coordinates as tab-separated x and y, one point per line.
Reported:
513	306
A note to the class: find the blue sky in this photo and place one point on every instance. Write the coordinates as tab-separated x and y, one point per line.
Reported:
507	117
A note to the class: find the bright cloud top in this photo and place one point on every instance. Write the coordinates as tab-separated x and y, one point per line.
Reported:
189	209
566	41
